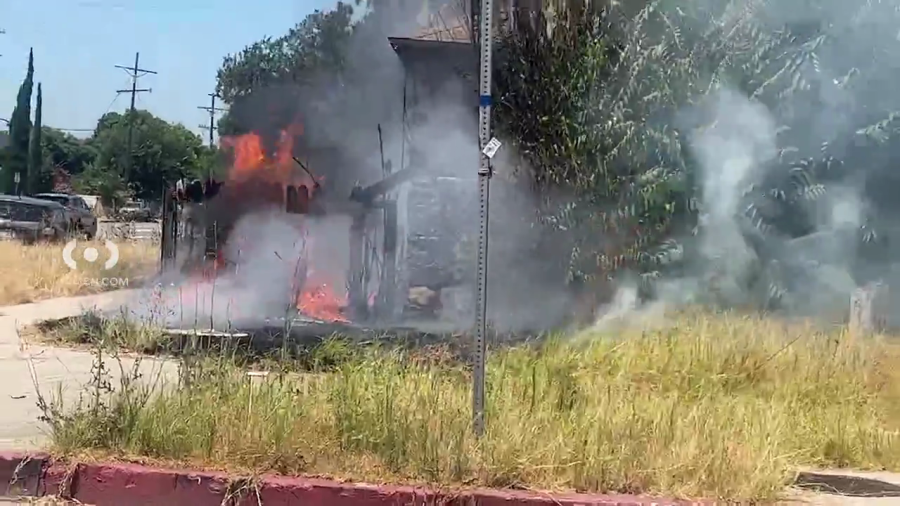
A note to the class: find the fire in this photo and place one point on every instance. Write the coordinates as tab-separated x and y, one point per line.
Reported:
252	162
322	303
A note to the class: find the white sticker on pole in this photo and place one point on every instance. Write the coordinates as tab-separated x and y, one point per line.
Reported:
490	149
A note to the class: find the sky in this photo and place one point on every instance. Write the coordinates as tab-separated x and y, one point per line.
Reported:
77	44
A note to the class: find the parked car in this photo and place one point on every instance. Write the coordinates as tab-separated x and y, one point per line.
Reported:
135	210
78	212
29	219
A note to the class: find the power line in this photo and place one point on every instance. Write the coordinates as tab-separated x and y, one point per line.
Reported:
71	129
111	102
2	32
92	130
135	73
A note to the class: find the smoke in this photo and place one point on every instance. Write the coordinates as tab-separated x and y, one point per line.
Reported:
353	134
750	151
732	153
737	139
260	289
734	259
755	144
272	253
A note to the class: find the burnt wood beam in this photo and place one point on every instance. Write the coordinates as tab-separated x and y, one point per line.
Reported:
368	194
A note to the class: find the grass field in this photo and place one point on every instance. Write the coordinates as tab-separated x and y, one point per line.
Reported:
714	406
34	272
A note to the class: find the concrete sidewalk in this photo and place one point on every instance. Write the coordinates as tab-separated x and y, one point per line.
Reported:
53	369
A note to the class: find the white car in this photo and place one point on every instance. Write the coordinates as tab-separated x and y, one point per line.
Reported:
135	211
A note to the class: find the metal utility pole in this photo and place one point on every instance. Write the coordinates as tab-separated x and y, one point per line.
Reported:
489	147
135	73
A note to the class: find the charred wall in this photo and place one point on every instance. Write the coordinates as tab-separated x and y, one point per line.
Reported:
442	123
440	92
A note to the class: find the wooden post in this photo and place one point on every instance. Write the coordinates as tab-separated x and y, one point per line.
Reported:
169	237
869	309
356	289
388	301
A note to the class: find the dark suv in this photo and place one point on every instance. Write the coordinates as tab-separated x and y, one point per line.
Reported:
79	214
31	220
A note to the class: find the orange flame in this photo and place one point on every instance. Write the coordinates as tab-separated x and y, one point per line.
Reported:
316	300
251	160
322	303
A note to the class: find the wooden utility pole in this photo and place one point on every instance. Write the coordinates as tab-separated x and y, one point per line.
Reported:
212	109
135	73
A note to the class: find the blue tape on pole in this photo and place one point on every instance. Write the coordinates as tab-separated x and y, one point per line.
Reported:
484	100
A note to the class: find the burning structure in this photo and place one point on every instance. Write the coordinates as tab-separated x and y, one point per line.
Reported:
370	229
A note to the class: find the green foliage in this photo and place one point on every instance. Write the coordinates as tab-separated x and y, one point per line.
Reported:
211	162
39	179
315	45
601	103
65	151
161	152
19	134
597	106
570	102
106	184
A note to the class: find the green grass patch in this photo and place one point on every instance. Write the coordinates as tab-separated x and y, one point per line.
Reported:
717	406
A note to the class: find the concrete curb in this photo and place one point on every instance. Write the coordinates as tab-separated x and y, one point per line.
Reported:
33	475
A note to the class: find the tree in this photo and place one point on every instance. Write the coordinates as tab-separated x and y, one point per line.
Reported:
106	184
19	134
38	179
162	152
269	74
608	116
211	163
604	99
64	151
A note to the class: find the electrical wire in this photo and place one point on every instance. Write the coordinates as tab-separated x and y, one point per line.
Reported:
108	108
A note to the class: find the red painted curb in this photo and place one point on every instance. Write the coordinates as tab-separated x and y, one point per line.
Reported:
116	484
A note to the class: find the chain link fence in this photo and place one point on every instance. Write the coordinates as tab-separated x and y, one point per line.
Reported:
130	231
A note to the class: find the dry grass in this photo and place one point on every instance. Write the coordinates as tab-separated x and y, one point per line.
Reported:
715	406
34	272
92	328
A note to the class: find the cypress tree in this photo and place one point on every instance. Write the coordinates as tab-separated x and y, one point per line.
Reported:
19	133
35	153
